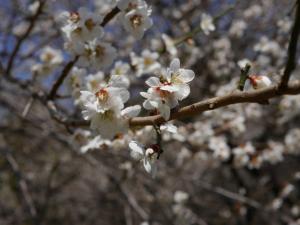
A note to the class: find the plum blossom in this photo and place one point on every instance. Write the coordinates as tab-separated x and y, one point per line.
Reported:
135	17
96	53
50	59
81	25
169	45
165	92
147	155
207	24
120	68
103	104
145	64
259	82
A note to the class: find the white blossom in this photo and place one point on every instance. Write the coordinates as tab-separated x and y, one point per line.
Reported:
220	148
135	17
169	45
81	26
147	155
165	92
95	53
145	64
207	23
259	82
50	59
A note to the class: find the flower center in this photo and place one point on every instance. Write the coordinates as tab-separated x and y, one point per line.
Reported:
89	24
148	61
162	93
100	51
74	17
136	21
102	95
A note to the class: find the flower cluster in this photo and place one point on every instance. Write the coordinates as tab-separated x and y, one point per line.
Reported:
103	105
84	38
166	90
135	17
50	59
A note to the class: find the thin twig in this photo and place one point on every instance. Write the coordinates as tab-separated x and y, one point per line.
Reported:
27	107
229	194
292	50
22	185
110	16
61	78
199	29
21	40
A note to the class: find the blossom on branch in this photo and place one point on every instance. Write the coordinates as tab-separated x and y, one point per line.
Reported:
135	17
147	155
165	91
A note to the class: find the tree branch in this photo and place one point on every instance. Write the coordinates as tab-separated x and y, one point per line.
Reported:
218	102
23	38
110	15
292	50
61	78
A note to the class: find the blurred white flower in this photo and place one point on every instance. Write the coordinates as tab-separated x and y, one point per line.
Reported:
120	68
146	64
95	53
135	17
50	59
81	26
220	148
243	62
207	23
147	155
169	45
180	197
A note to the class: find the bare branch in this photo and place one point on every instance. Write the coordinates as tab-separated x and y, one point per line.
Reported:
292	50
110	15
21	40
61	78
22	185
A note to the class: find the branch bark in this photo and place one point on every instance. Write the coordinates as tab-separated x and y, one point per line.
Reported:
61	78
21	40
218	102
292	50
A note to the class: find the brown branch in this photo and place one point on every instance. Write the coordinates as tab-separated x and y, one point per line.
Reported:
21	40
110	15
218	102
292	50
22	185
61	78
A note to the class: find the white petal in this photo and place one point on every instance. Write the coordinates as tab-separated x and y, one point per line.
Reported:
186	75
164	111
170	88
184	91
131	111
154	103
137	150
119	81
145	94
169	127
147	165
153	81
147	105
175	65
